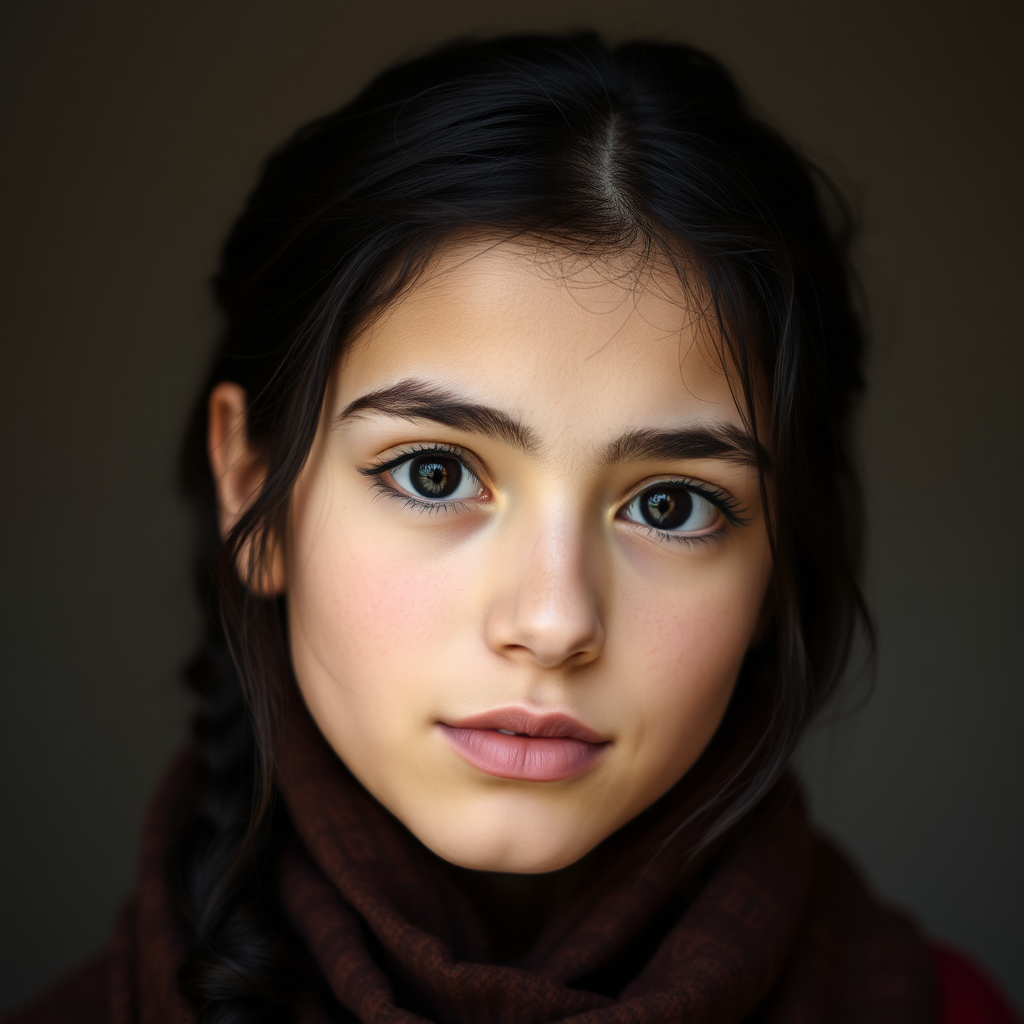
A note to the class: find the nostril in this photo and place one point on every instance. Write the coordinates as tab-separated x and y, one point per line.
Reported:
544	627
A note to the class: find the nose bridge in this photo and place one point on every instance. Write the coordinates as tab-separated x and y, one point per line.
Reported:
547	607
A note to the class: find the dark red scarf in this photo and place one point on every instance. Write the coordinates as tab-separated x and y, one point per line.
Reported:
774	927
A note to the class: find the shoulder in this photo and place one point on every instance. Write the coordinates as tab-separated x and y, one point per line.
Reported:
966	994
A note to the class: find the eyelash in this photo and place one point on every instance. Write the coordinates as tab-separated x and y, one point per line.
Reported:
378	470
722	500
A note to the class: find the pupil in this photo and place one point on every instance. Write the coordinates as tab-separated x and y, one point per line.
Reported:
667	509
434	477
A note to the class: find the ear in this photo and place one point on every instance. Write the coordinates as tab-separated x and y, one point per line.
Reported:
238	473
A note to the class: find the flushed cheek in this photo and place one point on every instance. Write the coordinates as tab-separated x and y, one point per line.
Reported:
687	652
370	612
380	603
695	636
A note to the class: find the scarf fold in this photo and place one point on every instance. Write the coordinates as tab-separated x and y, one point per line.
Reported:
771	925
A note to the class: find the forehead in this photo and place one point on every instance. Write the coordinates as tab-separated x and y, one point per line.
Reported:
563	342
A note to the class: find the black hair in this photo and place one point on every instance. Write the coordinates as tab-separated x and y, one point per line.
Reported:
643	149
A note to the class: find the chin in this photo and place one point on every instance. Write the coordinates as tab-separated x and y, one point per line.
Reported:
508	849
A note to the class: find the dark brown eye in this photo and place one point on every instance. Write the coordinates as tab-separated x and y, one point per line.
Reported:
666	509
672	508
436	477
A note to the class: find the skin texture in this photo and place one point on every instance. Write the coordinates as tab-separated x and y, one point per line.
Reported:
540	590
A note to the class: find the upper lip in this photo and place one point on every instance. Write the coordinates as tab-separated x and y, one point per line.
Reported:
552	725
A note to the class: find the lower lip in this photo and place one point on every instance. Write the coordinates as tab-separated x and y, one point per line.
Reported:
527	758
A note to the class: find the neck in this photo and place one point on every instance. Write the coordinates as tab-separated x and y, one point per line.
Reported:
516	908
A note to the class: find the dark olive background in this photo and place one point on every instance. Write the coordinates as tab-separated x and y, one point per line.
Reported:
131	133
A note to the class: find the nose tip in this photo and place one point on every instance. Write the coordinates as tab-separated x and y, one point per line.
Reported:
547	612
548	650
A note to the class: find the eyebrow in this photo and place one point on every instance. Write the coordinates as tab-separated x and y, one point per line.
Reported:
417	400
414	400
724	441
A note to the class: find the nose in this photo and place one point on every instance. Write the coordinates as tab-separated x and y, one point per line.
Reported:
544	604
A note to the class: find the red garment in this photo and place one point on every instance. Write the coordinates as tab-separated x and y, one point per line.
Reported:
966	995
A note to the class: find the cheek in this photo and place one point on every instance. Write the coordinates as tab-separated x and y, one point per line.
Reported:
688	642
362	605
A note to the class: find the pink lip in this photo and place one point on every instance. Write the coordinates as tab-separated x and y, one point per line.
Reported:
547	748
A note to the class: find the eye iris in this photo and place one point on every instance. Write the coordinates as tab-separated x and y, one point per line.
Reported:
666	509
435	477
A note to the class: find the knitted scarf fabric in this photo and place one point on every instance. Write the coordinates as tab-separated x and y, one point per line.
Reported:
771	926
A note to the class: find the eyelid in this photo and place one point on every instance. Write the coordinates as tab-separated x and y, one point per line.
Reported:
408	451
717	496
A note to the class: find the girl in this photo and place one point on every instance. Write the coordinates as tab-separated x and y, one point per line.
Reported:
528	537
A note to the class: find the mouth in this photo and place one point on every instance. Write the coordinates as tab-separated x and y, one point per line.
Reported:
511	743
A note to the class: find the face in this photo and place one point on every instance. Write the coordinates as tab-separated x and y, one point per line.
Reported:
526	556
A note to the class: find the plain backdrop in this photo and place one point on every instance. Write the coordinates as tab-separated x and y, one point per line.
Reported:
131	134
